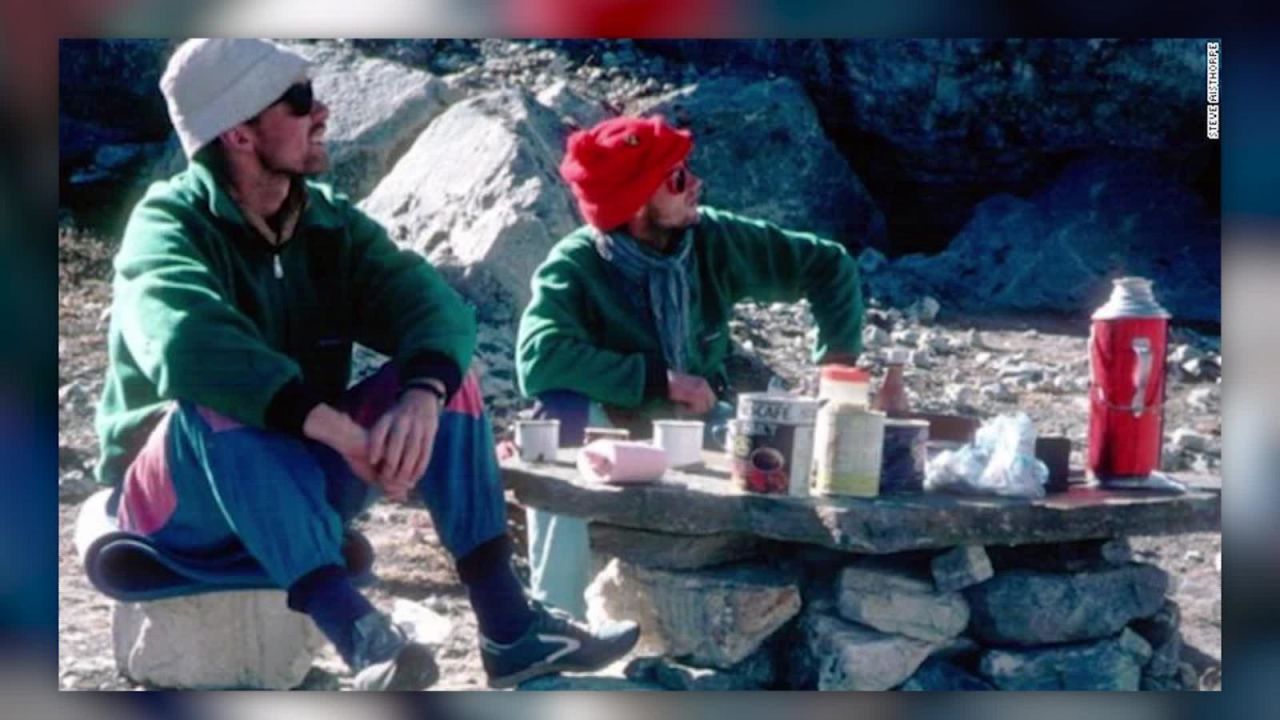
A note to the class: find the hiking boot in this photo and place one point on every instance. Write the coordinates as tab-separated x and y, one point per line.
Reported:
555	642
386	659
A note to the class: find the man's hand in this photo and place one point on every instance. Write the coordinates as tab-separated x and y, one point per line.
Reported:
340	432
360	465
400	442
690	392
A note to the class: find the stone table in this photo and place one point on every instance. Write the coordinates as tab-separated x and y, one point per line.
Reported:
705	501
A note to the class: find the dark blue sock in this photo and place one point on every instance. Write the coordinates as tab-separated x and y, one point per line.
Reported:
327	595
497	597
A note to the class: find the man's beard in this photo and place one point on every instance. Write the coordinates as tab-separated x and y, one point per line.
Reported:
666	233
312	164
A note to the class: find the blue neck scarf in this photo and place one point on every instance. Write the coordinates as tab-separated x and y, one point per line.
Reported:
665	278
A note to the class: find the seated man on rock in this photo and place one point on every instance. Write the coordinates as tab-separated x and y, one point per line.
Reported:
226	423
629	318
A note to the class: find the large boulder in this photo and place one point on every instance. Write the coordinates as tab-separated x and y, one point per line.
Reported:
110	89
711	618
933	126
112	125
959	109
943	123
762	152
479	194
1058	250
377	108
573	106
1026	607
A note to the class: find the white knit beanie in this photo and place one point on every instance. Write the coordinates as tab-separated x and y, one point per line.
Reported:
212	85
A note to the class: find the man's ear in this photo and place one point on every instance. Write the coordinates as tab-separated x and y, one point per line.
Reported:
238	138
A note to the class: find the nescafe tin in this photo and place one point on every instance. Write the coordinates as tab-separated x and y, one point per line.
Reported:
771	443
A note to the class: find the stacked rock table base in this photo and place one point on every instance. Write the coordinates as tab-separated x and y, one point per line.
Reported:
908	592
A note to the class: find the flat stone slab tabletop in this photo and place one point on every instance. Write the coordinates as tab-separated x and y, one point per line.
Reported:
704	501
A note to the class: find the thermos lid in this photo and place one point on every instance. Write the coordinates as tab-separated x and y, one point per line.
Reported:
1131	297
845	373
896	356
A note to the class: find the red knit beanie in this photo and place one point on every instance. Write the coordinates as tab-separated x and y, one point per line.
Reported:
615	167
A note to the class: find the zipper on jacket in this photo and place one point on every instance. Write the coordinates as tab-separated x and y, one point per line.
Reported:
278	267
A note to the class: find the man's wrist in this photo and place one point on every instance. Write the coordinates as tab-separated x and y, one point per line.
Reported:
426	402
429	385
435	366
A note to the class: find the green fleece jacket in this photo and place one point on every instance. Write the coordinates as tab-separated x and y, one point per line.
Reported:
585	330
206	310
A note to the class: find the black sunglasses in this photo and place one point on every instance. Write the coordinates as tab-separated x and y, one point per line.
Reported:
299	98
676	181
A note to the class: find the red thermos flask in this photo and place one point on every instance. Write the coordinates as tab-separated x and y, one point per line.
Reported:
1127	382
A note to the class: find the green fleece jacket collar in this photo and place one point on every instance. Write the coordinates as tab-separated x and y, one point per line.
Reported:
222	206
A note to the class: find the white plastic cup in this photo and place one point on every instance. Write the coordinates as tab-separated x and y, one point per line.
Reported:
681	439
538	440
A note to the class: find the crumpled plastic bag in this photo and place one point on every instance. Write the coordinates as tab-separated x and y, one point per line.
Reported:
1001	460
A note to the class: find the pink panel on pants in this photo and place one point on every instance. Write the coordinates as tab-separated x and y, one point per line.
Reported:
148	498
468	400
367	401
217	421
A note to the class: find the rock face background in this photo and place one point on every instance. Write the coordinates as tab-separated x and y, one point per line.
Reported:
1010	175
990	189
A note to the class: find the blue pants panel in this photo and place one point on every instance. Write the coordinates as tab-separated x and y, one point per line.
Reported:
285	500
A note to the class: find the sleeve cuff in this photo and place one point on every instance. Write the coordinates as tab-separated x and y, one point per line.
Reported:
290	406
655	378
432	364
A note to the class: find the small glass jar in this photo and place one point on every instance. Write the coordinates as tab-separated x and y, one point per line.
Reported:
892	398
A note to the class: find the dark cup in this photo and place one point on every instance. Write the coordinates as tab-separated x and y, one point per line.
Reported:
949	428
1055	452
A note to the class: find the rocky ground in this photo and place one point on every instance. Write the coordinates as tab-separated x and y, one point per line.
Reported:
977	365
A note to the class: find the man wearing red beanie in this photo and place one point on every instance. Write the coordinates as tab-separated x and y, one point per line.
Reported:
629	319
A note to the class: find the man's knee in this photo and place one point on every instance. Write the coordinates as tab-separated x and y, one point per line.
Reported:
232	456
199	423
204	418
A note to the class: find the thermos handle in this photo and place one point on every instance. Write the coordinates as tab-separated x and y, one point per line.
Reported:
1141	348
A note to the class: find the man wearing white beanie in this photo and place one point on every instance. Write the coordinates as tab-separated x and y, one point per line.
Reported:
226	422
